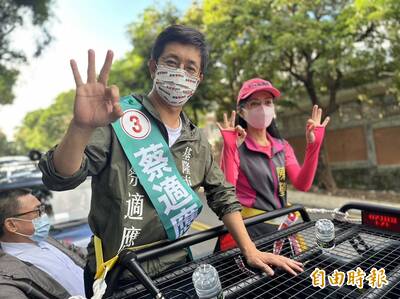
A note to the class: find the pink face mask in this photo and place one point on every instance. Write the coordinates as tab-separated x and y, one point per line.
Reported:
259	117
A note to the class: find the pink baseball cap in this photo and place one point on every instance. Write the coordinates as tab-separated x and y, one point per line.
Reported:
256	84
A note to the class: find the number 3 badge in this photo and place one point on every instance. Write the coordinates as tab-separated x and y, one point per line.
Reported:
136	124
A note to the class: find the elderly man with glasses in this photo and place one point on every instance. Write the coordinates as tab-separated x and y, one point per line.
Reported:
28	255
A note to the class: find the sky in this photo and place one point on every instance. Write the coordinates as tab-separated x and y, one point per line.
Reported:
78	26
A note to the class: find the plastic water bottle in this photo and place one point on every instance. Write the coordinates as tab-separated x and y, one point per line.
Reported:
325	233
206	282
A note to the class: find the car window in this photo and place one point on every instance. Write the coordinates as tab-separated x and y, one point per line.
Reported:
70	205
11	171
61	206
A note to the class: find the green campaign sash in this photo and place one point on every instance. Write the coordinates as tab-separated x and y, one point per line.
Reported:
176	203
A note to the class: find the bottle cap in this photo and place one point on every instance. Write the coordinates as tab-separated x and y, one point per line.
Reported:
325	233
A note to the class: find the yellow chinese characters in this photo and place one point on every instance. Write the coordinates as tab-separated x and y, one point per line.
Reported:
318	278
376	278
356	278
337	278
282	180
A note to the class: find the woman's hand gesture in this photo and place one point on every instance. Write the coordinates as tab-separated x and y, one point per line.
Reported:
229	125
313	122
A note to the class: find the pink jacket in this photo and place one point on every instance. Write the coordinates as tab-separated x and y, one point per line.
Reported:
247	189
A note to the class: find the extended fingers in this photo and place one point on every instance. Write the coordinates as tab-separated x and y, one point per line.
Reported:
75	72
267	269
225	119
288	269
91	71
294	265
291	266
232	119
264	267
319	116
326	121
105	70
314	112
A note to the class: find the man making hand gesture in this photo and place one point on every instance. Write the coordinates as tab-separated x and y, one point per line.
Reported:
147	160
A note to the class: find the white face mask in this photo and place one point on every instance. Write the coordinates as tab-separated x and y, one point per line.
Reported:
259	117
174	85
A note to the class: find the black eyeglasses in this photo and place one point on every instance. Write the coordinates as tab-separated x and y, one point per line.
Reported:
40	210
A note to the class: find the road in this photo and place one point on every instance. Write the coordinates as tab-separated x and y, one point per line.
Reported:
206	220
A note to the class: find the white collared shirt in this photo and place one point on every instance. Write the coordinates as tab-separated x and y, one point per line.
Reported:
50	260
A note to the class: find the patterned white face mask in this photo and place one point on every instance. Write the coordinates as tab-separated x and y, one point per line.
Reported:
174	85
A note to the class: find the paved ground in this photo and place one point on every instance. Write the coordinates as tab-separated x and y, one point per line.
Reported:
207	219
317	200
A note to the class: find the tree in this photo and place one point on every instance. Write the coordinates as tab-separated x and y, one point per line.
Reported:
43	128
387	14
6	148
13	14
307	48
131	72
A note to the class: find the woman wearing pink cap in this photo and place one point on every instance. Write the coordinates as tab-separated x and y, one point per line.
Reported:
260	166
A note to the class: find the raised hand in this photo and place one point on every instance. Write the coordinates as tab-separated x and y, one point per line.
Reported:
313	122
229	125
96	104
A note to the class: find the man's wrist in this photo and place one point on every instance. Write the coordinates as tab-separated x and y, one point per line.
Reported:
81	130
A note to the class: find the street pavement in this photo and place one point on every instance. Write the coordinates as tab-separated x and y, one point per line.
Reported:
317	200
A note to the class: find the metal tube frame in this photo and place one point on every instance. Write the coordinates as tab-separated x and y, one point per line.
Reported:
185	241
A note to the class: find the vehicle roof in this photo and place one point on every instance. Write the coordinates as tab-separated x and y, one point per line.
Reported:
9	159
18	172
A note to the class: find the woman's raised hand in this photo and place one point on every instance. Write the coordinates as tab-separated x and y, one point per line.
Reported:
229	125
96	103
313	122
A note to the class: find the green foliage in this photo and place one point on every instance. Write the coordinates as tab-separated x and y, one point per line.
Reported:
7	148
13	14
387	14
8	77
131	73
43	128
309	49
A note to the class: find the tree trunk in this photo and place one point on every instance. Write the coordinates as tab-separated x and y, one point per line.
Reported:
324	172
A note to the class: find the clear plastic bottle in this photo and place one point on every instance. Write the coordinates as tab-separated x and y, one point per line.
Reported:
325	234
206	282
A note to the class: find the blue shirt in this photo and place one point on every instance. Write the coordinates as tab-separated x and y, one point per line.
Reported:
50	260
